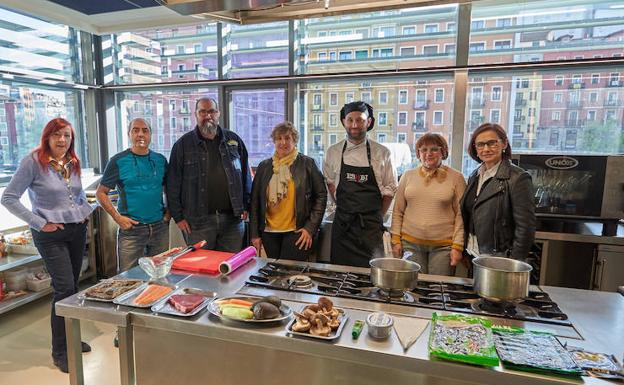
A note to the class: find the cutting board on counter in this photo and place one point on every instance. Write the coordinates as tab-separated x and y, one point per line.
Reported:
201	261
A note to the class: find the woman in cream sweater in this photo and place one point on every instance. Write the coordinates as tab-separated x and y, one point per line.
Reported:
427	223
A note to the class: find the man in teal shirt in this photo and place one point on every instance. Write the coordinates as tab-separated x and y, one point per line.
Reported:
139	175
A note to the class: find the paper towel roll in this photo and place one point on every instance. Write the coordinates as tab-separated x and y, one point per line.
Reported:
237	260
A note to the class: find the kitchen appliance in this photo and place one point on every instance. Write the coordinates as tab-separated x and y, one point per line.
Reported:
394	274
501	279
432	294
577	187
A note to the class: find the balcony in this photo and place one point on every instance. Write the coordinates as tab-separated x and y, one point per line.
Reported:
574	104
317	127
317	147
184	110
615	83
318	107
570	123
421	104
476	103
521	119
576	85
521	102
612	103
419	126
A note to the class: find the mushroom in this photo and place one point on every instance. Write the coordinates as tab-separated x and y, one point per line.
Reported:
309	314
314	307
302	325
325	303
334	324
320	325
333	313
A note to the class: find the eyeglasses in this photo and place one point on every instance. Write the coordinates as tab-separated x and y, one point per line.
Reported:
432	150
494	143
208	112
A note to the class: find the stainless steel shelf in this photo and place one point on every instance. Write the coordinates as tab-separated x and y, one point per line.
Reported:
8	305
16	260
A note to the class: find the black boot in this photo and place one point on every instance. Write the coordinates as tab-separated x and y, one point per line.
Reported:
61	363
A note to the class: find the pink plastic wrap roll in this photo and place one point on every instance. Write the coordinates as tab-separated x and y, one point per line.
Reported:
237	260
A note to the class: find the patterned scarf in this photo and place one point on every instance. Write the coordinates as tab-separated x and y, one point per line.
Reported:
278	185
438	173
63	167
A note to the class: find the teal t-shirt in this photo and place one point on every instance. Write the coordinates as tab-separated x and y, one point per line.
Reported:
140	181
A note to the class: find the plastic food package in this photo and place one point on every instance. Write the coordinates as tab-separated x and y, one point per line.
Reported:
597	364
533	351
463	338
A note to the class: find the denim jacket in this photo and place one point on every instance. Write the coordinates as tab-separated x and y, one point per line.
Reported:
185	169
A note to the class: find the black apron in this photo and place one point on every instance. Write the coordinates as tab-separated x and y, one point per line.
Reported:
357	231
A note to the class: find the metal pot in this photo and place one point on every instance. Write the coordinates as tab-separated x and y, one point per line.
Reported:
501	279
394	274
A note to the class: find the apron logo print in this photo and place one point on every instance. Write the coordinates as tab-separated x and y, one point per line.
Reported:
358	178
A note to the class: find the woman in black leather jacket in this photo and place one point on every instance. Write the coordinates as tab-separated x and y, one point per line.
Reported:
497	207
288	199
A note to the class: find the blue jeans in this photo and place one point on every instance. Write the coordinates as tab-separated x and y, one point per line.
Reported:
434	260
222	232
62	252
142	240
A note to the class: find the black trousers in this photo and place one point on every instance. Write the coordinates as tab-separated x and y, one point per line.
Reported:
62	252
282	246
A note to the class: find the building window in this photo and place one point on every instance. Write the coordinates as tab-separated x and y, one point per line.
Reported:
402	96
438	117
383	97
449	49
430	50
180	50
381	137
361	54
409	30
556	115
439	95
591	115
476	47
402	118
407	51
383	118
505	22
172	105
593	97
558	97
366	97
173	122
333	120
451	26
595	78
477	24
345	55
497	93
419	118
321	56
495	116
431	28
333	99
349	97
503	44
559	80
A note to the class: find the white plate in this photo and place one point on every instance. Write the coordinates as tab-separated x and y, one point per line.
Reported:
213	308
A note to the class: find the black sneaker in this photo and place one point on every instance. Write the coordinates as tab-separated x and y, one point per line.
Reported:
86	348
61	363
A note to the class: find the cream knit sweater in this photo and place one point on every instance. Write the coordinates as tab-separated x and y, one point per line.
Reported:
427	212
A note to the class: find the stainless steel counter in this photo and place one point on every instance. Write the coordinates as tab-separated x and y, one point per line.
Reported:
203	349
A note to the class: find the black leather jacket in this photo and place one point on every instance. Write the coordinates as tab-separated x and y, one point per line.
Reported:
310	195
503	214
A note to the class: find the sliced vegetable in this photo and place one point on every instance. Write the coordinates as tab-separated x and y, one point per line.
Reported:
151	294
235	301
237	312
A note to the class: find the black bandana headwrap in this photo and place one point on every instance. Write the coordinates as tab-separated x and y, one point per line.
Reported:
360	107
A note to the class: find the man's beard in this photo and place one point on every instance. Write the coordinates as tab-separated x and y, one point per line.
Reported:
208	129
357	137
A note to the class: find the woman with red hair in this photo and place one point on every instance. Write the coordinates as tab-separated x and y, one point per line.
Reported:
51	174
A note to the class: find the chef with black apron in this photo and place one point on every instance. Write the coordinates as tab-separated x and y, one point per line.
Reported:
357	228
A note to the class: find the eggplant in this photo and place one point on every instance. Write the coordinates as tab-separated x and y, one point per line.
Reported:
273	300
265	310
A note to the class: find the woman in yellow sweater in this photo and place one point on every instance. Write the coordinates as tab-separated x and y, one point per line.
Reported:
427	223
288	199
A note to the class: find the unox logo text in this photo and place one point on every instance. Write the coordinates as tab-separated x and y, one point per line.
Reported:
561	162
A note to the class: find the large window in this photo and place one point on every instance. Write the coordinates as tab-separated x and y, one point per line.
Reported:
385	40
171	113
165	54
401	113
555	111
529	31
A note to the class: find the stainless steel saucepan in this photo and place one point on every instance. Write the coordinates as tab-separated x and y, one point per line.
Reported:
394	274
501	279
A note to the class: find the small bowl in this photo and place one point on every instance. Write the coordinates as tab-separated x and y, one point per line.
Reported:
379	325
156	270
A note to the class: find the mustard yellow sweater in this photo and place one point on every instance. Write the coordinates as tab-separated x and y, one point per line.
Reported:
427	212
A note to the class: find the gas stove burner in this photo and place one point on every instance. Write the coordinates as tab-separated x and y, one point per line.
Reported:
391	293
502	308
300	281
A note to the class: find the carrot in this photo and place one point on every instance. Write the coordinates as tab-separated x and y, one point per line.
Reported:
151	294
235	301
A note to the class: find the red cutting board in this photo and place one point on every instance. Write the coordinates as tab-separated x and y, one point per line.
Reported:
201	261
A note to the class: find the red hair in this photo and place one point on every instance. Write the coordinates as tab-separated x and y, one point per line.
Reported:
43	151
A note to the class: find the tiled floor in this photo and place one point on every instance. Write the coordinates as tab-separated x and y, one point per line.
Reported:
25	349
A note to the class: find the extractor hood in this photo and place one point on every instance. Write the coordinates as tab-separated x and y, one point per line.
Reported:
260	11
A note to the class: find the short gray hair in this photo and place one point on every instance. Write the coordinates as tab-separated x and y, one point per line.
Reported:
149	127
206	99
